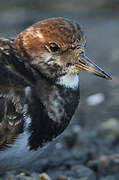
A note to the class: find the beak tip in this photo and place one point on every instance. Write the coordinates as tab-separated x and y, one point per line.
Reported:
108	77
85	64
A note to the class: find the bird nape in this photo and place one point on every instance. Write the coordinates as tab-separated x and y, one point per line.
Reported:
39	87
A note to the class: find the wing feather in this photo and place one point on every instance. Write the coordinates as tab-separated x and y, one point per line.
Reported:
12	86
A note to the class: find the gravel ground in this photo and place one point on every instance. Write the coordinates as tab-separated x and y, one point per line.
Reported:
89	148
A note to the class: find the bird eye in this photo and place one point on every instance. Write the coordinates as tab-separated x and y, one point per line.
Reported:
54	47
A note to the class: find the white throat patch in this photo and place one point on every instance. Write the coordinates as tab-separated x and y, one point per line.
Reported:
69	81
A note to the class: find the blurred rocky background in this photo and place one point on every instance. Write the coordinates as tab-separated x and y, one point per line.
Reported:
89	148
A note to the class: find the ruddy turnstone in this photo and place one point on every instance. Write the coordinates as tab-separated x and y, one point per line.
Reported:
39	87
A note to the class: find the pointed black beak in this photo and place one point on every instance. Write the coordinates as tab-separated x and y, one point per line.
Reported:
86	65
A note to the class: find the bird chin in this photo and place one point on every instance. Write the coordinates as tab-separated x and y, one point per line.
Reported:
69	80
72	70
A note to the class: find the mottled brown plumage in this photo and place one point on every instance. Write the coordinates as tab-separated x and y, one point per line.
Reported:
39	86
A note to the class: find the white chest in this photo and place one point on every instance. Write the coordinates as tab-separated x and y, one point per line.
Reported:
69	81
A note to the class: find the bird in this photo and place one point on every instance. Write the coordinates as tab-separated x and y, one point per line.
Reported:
39	87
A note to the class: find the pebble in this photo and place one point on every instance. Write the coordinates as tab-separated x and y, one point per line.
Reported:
58	145
95	99
61	178
83	172
108	178
73	136
44	176
105	163
76	129
111	125
104	160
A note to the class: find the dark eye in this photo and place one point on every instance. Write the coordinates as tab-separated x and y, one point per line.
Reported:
54	47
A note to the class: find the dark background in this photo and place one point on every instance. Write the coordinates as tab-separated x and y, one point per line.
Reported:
88	149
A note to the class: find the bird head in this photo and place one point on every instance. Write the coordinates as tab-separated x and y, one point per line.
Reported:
56	47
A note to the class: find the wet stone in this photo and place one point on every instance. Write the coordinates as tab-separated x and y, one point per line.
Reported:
44	176
95	99
111	125
62	178
83	172
72	137
108	178
106	164
109	130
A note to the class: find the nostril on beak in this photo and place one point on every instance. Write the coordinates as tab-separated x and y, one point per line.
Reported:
81	60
